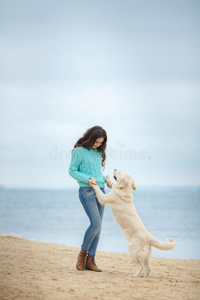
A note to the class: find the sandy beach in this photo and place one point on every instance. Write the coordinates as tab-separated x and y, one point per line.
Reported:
35	270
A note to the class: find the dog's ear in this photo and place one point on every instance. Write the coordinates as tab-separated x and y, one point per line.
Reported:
122	182
133	185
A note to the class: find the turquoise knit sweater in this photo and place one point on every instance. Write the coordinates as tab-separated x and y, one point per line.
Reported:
87	163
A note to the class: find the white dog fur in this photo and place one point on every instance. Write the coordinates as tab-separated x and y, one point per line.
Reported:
120	200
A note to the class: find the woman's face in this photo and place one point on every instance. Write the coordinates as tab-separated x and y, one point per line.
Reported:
98	143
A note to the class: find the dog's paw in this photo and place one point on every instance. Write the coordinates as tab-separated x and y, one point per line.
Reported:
94	185
108	178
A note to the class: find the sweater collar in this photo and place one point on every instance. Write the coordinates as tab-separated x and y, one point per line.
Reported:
89	148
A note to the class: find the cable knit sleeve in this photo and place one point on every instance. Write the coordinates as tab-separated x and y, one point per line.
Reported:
74	166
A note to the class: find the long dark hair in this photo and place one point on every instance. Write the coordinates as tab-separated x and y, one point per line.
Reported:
89	138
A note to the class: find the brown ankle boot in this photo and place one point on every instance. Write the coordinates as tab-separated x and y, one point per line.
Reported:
90	264
81	260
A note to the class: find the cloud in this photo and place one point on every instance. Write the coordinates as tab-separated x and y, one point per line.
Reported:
129	67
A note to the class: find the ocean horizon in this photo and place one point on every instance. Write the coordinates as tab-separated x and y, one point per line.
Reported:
57	216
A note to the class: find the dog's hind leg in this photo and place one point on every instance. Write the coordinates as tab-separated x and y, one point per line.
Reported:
147	269
134	253
147	263
140	268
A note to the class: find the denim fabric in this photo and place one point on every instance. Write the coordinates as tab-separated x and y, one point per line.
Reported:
94	211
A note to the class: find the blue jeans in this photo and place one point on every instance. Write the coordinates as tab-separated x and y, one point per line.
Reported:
94	211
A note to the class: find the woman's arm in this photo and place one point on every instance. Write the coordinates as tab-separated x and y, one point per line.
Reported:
74	167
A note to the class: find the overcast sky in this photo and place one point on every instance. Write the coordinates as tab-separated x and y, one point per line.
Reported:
131	67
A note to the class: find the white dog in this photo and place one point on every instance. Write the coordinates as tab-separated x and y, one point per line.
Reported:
120	200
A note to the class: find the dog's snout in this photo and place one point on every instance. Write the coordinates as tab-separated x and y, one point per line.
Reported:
115	169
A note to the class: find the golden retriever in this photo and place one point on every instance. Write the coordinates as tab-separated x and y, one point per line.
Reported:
120	200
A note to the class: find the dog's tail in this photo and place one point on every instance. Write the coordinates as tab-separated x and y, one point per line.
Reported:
162	246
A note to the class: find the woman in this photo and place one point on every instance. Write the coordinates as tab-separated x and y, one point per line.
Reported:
88	157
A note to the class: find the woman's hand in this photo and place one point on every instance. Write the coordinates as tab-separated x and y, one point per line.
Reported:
109	184
92	181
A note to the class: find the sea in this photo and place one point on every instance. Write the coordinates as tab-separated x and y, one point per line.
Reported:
57	216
